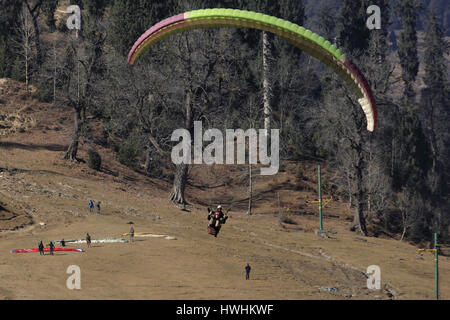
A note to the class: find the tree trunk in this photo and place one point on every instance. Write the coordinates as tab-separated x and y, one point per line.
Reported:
73	148
404	230
26	67
250	189
349	185
34	13
179	182
37	42
54	71
148	159
27	38
436	181
369	177
267	85
359	223
393	156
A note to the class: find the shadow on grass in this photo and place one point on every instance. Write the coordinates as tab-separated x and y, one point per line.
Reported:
32	146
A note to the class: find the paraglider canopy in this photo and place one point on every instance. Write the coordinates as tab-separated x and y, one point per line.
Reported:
307	41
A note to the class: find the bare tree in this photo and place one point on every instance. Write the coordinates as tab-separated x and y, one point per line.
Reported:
34	9
267	83
252	115
196	85
410	206
344	135
88	64
203	65
24	43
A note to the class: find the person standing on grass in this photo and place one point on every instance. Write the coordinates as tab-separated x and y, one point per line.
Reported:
247	271
52	246
41	248
88	240
131	234
98	207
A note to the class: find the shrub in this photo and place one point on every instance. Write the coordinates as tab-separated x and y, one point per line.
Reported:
418	231
155	165
127	155
325	183
94	160
288	220
18	70
299	173
282	167
61	26
44	92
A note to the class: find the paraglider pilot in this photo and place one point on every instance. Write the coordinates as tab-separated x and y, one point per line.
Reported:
217	219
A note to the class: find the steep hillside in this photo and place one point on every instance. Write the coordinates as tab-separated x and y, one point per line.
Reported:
43	197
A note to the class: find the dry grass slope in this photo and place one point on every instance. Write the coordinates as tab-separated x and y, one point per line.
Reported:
43	197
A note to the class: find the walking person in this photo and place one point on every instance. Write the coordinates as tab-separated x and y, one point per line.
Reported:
91	205
247	271
88	240
131	234
52	246
98	207
41	248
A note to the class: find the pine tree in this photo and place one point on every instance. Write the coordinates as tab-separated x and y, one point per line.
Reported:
130	19
435	102
95	8
352	32
378	37
435	97
435	49
408	11
49	8
414	150
393	41
9	15
326	22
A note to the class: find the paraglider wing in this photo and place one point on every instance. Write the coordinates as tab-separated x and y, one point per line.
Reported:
307	41
46	250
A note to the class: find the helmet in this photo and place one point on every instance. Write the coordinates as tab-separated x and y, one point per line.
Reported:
219	207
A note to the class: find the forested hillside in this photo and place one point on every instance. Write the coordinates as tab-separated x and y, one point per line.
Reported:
396	176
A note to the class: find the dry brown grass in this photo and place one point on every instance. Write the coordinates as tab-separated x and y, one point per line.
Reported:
287	263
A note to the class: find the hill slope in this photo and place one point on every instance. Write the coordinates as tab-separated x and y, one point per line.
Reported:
43	197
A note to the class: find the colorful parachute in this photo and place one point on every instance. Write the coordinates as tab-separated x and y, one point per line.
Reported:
306	40
150	235
45	249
